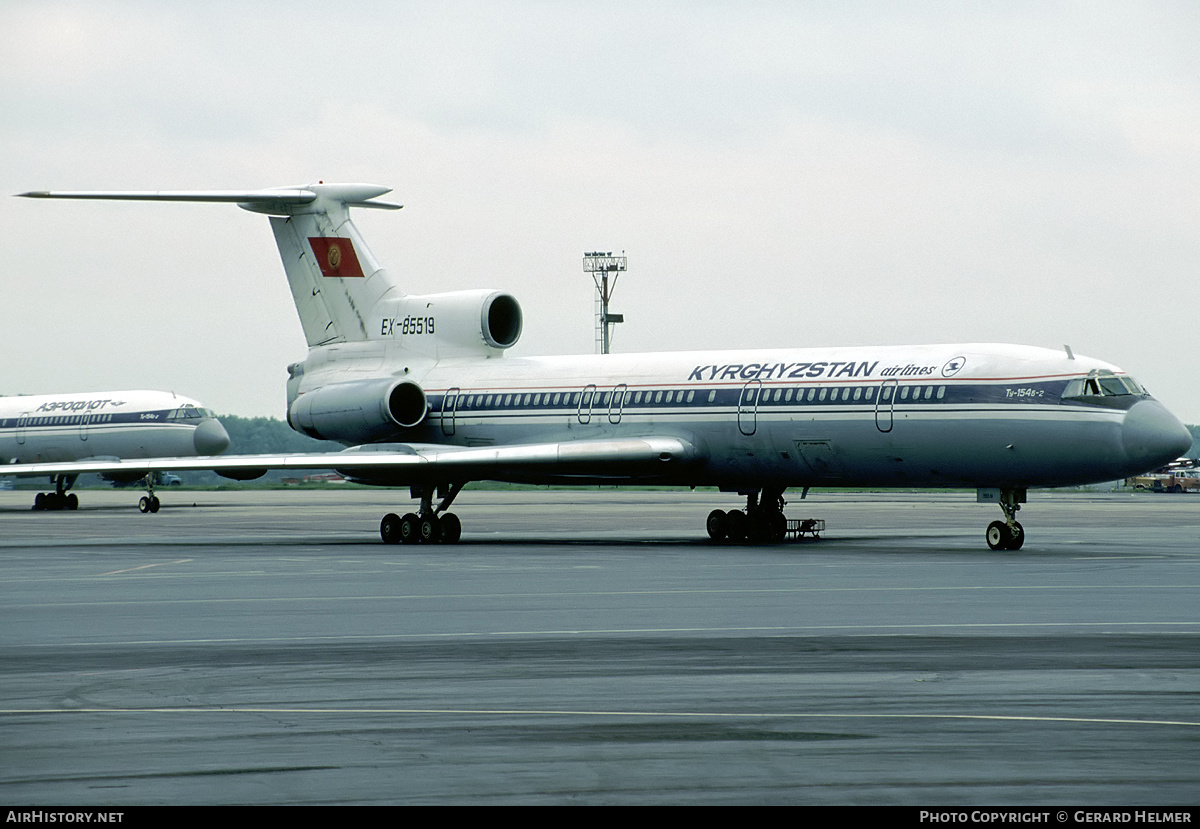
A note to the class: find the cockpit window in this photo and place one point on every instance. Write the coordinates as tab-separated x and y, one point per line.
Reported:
189	412
1102	385
1112	385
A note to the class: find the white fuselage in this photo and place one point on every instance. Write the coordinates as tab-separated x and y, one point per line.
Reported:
974	415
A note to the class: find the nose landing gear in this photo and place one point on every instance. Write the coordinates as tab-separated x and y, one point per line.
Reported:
1007	534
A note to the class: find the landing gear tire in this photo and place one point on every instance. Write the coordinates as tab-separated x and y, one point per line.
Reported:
778	527
409	533
717	525
144	503
767	527
428	530
1016	537
389	528
451	528
998	535
1001	537
738	523
72	501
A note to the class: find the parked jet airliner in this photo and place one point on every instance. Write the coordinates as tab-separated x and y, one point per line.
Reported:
38	431
419	388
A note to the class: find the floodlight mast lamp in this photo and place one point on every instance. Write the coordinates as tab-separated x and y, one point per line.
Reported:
600	265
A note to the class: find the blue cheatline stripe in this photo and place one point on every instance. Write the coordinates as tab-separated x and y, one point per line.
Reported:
780	399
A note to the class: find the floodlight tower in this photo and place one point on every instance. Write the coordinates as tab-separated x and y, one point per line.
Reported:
600	265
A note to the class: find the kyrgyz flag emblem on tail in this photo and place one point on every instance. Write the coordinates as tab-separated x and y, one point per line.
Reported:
335	256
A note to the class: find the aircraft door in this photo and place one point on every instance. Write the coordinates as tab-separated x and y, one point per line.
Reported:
449	410
884	404
748	407
22	421
617	404
585	403
83	425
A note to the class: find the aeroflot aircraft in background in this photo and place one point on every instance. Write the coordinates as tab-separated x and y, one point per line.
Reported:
38	431
420	390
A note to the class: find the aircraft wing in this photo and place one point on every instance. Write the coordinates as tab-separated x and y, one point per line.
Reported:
400	463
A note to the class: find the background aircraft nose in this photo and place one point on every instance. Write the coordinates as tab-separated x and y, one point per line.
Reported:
1153	436
210	437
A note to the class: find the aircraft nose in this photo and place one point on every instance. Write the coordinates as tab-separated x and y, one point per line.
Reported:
210	437
1152	436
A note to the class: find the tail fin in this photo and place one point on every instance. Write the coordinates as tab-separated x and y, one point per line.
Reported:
334	277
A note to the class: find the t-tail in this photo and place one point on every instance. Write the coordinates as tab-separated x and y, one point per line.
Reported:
341	292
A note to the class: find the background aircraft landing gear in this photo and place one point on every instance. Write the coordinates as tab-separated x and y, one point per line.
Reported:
149	502
59	498
430	526
55	501
1007	534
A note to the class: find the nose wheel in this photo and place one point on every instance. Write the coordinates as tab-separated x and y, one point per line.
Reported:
149	502
1000	536
1007	534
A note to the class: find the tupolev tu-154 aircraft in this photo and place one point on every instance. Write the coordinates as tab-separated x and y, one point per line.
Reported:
419	389
103	427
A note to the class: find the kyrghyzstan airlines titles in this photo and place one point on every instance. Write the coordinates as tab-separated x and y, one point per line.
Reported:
831	369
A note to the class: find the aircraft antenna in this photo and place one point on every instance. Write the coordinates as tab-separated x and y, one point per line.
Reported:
600	265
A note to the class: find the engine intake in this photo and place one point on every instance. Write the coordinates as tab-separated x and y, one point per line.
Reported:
406	404
501	321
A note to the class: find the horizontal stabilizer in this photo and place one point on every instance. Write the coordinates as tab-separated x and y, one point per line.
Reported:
293	196
334	278
278	201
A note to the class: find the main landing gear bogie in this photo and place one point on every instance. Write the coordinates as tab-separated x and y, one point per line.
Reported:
762	521
414	529
428	526
56	501
59	499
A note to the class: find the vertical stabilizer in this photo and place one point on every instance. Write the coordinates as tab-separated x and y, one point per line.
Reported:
334	277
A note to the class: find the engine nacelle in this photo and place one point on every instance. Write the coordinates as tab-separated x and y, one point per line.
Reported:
360	411
455	323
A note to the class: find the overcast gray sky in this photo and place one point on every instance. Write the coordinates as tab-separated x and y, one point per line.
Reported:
780	174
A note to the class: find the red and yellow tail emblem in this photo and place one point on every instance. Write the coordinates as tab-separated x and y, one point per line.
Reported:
335	256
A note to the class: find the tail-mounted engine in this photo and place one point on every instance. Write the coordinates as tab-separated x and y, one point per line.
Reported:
361	411
453	324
